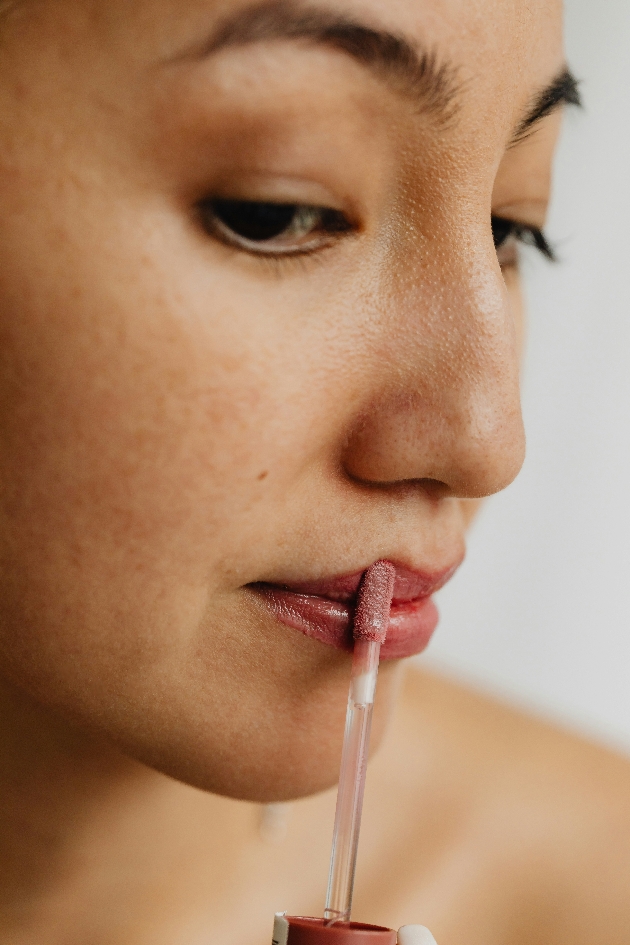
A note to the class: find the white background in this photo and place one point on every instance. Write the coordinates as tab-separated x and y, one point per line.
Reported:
540	612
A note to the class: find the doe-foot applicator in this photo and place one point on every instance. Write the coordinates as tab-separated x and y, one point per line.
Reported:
370	627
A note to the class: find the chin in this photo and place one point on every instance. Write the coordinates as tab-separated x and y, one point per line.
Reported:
284	770
279	756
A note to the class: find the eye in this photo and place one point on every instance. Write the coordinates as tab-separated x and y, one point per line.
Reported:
272	229
503	230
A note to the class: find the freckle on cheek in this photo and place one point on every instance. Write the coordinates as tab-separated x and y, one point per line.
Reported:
263	475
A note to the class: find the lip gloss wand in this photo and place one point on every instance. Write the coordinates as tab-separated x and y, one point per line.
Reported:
370	628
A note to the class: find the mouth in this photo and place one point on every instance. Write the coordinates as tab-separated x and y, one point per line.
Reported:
324	609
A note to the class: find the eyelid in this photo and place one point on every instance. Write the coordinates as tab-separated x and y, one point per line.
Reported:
262	187
529	213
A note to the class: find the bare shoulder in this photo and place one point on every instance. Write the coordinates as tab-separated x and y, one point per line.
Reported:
448	716
490	741
537	818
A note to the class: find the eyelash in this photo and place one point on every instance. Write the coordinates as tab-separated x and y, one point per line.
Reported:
504	230
321	227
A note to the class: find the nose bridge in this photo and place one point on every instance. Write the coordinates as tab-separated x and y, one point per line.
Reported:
446	405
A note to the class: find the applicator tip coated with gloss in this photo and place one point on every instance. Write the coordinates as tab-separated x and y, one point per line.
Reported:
371	618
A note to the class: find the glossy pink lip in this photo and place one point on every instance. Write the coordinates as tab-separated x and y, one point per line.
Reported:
323	609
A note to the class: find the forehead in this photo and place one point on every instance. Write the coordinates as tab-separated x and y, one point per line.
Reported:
506	46
502	53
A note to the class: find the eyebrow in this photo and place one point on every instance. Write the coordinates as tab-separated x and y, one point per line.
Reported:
563	90
415	73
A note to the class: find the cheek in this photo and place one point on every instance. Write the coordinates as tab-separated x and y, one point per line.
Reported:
139	412
129	442
151	430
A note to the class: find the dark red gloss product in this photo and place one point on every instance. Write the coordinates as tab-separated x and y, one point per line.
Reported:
305	931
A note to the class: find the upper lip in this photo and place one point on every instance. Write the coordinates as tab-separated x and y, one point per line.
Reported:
409	584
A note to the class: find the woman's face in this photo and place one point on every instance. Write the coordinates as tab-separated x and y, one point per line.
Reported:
255	335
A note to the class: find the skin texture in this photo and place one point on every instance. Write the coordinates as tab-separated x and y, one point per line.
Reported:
179	419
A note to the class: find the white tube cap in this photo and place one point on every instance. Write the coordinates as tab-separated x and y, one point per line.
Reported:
280	929
415	935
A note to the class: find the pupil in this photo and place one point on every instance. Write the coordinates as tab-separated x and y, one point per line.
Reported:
254	220
501	229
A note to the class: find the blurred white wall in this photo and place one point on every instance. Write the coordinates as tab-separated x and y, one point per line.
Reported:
540	612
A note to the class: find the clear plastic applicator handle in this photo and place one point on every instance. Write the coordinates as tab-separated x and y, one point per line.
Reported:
352	781
371	620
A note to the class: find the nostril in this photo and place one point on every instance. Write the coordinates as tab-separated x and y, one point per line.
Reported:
432	488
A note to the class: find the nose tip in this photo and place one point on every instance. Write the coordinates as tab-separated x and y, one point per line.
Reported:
487	446
473	451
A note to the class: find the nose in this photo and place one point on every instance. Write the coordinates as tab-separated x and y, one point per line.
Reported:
443	402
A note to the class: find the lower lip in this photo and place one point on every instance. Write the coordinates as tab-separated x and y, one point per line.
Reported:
411	622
